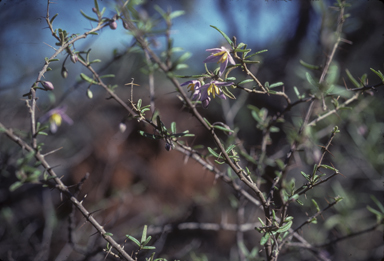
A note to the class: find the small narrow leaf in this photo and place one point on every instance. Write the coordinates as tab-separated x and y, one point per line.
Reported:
309	66
381	207
222	128
285	227
88	17
256	53
214	153
138	105
223	34
227	93
316	205
175	14
264	239
277	84
378	73
86	78
107	76
53	18
144	235
352	79
209	124
245	81
311	80
133	239
230	148
149	247
173	127
96	6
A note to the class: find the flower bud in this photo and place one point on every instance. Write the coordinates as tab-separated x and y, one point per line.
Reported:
125	25
122	127
74	58
64	72
113	25
89	94
47	85
94	10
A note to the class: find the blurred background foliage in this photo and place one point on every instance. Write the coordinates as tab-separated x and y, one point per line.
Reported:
133	181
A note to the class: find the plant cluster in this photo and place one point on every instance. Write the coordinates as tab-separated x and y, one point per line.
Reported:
273	193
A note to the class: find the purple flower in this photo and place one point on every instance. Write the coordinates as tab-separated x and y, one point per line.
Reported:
47	85
55	117
220	55
211	88
193	86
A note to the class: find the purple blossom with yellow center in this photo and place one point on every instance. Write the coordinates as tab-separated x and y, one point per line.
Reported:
220	55
212	88
193	86
55	117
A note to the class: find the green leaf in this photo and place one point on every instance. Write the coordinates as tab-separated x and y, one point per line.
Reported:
173	127
297	92
94	33
185	56
107	76
108	234
175	14
54	60
86	78
264	239
285	227
242	50
206	121
144	235
353	80
277	84
311	80
378	73
245	81
328	167
15	186
227	93
138	105
309	66
181	66
146	241
96	5
222	128
223	34
255	115
161	12
133	239
230	148
256	53
381	207
53	18
305	175
95	61
316	205
214	153
248	61
88	17
274	129
149	247
148	135
374	211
